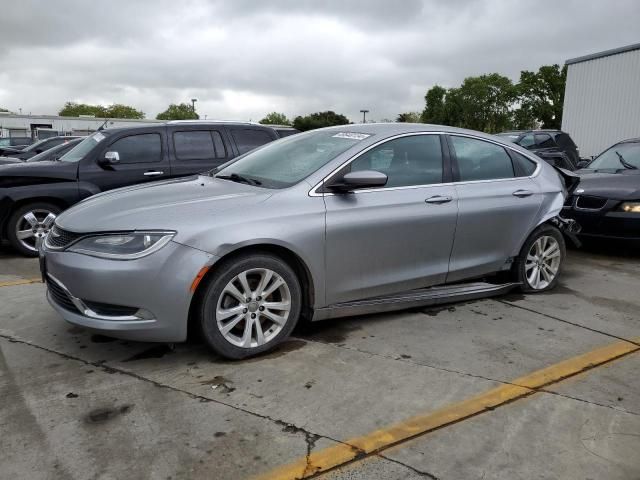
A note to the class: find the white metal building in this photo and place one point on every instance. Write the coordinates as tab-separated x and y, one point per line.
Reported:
39	126
602	99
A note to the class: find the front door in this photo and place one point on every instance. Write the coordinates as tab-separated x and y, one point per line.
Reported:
396	238
142	158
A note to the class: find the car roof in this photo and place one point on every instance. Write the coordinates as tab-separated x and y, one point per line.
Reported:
208	123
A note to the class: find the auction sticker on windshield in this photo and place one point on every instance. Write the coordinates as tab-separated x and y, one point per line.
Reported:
351	135
98	137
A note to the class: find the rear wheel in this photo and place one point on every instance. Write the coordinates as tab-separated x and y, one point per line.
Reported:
250	305
538	266
28	226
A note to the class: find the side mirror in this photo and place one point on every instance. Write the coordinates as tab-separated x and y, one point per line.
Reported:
110	158
583	163
360	179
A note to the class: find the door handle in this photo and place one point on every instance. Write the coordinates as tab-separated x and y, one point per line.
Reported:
153	173
438	199
522	193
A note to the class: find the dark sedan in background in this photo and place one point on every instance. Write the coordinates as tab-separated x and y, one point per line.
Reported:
607	202
554	146
52	154
35	148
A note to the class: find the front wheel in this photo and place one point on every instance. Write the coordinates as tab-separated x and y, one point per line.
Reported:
28	226
250	305
538	266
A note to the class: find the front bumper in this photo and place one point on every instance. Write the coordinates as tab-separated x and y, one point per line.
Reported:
147	299
606	222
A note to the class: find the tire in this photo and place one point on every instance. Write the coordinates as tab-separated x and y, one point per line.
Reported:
545	238
221	309
39	216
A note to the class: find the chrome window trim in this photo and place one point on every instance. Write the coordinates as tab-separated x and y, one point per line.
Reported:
87	312
314	191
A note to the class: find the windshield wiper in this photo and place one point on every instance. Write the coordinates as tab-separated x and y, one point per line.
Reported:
234	177
624	163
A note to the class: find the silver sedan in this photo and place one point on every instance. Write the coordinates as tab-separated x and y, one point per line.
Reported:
333	222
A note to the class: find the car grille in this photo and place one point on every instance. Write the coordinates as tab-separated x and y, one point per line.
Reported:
590	203
59	296
59	238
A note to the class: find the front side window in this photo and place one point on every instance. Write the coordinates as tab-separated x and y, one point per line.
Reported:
248	138
286	162
144	148
414	160
621	156
480	160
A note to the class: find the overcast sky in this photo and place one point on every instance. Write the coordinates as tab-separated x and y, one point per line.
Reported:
242	59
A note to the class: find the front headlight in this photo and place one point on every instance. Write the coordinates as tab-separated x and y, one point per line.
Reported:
122	246
630	207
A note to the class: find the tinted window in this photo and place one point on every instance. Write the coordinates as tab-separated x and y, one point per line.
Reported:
415	160
143	148
527	141
544	140
523	166
565	141
248	139
480	160
194	145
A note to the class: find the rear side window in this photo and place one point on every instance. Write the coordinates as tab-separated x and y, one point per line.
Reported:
564	141
522	165
544	140
527	141
248	138
198	145
144	148
480	160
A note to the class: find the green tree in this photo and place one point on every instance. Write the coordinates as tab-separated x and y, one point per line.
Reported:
275	118
182	111
117	110
3	109
409	117
541	94
434	110
319	120
486	102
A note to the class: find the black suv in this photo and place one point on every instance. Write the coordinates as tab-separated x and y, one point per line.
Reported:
554	146
32	194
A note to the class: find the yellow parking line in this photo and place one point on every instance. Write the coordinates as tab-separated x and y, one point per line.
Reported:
20	282
360	447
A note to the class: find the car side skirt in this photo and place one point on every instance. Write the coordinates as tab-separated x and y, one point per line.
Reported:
415	298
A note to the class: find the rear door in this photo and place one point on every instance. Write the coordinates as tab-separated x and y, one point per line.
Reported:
246	138
497	203
143	158
196	150
396	238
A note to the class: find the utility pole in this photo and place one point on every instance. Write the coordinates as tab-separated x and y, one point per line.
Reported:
193	104
364	115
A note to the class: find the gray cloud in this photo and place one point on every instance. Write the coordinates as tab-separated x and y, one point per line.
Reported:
244	58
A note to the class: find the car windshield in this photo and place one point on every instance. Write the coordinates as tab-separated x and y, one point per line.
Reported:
286	162
622	156
84	147
49	154
33	146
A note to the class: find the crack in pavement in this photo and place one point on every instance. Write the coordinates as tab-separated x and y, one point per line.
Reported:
595	330
422	473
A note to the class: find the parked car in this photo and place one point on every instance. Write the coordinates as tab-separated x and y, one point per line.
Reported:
36	148
333	222
17	143
554	146
284	130
607	204
33	193
52	154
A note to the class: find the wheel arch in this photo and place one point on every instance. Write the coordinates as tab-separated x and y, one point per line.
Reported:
293	259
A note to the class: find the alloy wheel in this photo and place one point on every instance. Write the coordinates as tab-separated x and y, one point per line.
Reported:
33	226
543	262
253	308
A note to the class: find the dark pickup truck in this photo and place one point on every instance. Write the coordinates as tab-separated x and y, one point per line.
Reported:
32	194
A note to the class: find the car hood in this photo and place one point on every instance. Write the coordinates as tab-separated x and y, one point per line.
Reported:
184	205
616	186
46	170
